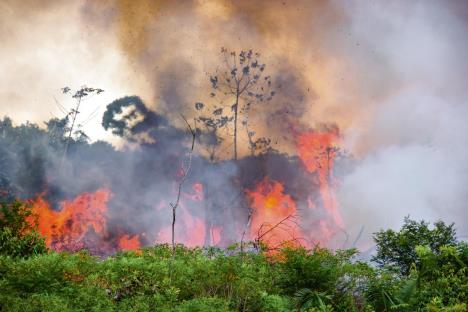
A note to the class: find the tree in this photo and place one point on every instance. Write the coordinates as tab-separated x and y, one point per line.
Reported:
79	95
57	130
260	144
212	122
186	166
241	81
18	236
398	249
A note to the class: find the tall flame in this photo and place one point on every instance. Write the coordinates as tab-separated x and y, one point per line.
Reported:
67	229
127	242
274	213
317	150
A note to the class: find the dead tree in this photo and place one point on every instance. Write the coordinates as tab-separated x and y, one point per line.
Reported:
240	83
286	224
79	96
247	225
185	172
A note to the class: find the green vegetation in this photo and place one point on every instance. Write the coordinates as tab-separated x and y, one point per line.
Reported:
431	276
18	237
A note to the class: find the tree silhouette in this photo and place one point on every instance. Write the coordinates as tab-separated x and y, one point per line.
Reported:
237	85
79	95
212	122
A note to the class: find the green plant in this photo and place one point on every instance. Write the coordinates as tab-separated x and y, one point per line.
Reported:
399	248
18	237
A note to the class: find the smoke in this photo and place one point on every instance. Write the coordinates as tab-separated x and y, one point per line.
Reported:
391	76
412	156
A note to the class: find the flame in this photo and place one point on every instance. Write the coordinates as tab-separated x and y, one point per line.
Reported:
317	150
82	222
273	214
67	229
216	232
127	242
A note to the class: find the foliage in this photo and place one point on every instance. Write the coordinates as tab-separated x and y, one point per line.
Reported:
212	279
236	86
399	248
18	237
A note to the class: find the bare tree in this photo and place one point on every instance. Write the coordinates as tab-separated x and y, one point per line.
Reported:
79	95
247	225
185	172
266	232
240	82
211	123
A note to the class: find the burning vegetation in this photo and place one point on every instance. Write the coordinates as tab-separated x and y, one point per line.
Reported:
93	221
92	196
233	180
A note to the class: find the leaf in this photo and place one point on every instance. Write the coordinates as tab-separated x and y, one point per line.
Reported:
214	81
199	105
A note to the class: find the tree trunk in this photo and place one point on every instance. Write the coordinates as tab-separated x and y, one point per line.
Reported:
235	123
67	143
173	229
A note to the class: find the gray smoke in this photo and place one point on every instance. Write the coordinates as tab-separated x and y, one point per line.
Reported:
412	149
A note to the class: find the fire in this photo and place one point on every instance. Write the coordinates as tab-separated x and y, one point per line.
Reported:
273	214
127	242
317	150
67	229
83	221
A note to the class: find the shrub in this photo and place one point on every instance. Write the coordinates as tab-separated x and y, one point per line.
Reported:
18	237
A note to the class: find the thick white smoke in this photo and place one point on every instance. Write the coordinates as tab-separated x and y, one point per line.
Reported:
413	148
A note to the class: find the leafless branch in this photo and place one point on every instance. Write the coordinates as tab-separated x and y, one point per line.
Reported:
185	172
247	225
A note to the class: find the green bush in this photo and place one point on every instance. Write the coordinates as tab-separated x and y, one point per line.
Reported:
294	279
203	305
399	248
18	237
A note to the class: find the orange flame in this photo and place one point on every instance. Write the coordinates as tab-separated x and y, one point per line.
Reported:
317	150
273	214
127	242
66	229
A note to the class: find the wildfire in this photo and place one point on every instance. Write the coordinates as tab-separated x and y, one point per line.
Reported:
273	214
127	242
83	221
66	229
317	150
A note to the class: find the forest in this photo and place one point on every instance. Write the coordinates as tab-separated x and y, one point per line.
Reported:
219	155
85	226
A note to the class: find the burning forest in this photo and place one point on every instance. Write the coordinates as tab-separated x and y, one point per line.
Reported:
220	155
121	201
288	123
